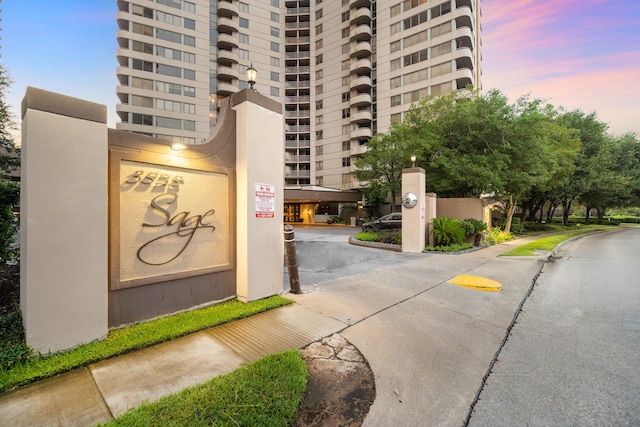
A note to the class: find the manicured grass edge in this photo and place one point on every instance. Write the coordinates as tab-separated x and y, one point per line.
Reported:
134	337
548	243
267	392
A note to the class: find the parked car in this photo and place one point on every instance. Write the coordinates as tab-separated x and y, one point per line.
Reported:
390	221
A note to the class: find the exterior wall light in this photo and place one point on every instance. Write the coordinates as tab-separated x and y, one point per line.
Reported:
252	74
413	161
177	146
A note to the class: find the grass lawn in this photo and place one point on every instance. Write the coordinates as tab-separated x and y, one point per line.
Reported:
548	243
264	393
131	338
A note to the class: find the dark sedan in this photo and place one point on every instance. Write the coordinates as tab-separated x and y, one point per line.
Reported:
390	221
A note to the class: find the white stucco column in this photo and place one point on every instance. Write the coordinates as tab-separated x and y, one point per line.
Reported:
413	210
63	230
260	196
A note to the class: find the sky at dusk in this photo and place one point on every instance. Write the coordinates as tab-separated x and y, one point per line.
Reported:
579	54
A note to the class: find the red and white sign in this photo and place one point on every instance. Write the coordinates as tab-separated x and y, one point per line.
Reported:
265	201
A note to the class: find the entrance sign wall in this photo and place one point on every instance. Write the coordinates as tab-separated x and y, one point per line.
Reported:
117	227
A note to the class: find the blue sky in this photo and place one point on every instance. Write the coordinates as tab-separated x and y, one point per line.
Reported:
574	53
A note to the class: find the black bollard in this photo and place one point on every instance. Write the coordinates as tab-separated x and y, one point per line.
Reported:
292	259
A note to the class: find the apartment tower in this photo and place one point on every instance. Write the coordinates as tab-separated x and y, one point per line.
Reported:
343	69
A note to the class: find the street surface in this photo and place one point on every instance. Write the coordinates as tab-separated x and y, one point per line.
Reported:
573	357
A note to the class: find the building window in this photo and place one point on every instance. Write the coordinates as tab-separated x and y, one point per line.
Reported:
441	49
345	65
275	17
319	120
319	136
243	7
189	24
319	104
142	11
275	32
318	59
345	48
142	83
346	146
395	64
396	10
319	29
396	82
275	91
345	2
345	16
395	28
142	101
397	117
346	161
319	165
243	54
319	44
346	178
275	47
244	23
395	46
319	150
396	100
189	41
346	96
345	81
441	29
141	119
318	74
345	129
275	62
243	38
142	47
345	32
138	64
145	30
440	9
319	89
275	3
189	74
319	180
318	13
440	69
275	77
346	113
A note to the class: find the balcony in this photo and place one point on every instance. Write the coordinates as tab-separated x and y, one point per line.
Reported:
297	70
361	83
227	25
301	143
227	73
360	16
292	158
227	56
298	11
297	25
297	99
361	100
361	117
361	66
361	33
360	3
361	50
226	89
297	129
227	41
297	174
297	85
297	40
357	148
361	133
297	114
227	9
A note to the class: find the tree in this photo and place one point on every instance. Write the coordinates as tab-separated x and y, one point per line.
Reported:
381	165
9	155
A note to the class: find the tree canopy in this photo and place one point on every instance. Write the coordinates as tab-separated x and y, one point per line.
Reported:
525	153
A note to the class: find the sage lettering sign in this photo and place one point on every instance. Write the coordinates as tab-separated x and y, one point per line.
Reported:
172	221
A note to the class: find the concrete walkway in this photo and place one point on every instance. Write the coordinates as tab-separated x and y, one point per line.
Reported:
429	343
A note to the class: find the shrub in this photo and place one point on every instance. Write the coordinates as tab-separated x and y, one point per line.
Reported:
478	226
447	231
367	236
495	236
453	248
468	228
516	226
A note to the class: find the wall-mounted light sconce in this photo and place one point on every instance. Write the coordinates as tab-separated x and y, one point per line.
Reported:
177	146
252	74
413	161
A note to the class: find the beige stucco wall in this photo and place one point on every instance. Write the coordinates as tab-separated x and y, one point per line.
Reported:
63	235
460	208
414	219
260	241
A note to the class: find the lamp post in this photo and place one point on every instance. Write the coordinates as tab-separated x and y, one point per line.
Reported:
413	161
252	73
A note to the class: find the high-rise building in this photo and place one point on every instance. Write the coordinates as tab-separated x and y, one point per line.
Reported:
343	69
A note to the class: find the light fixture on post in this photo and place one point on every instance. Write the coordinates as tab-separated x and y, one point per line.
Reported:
252	73
413	161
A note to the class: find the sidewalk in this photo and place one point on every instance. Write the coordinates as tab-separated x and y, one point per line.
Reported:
429	343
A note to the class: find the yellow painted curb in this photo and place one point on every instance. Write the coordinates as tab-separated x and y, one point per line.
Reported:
476	282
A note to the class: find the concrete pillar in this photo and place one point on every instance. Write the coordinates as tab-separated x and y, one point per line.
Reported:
432	200
64	217
413	210
260	195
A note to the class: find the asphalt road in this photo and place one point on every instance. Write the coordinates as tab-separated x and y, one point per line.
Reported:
573	357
